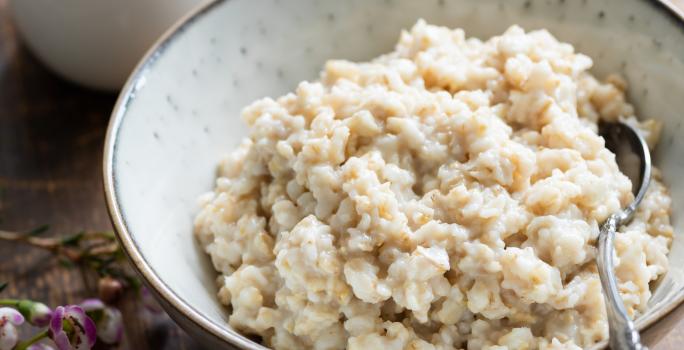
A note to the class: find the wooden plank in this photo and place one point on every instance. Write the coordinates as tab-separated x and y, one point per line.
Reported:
51	139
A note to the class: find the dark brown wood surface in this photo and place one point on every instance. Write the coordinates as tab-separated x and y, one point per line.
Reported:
51	138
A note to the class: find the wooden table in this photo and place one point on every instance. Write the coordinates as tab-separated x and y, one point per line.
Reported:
51	138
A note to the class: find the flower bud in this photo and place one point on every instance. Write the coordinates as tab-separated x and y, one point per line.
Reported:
109	289
37	314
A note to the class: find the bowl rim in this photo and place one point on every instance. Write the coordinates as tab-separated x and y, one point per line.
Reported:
134	83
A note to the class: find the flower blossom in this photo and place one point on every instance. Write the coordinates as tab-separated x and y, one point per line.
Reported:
108	320
9	320
71	329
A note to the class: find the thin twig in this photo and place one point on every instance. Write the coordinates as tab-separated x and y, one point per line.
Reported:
45	243
97	251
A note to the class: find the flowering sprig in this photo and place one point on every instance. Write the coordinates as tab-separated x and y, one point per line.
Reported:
37	314
75	327
70	327
96	251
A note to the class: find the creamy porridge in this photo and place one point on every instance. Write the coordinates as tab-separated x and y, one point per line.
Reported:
447	195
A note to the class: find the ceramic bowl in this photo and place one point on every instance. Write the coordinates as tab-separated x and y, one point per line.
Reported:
96	43
179	111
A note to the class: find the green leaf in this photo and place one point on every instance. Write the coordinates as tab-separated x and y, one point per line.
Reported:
73	239
119	255
38	230
96	315
112	272
107	260
3	285
131	280
134	282
109	235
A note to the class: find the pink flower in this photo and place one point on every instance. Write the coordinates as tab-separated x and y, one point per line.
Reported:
40	346
71	329
107	319
9	319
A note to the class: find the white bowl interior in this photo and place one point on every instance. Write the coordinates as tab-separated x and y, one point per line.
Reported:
181	112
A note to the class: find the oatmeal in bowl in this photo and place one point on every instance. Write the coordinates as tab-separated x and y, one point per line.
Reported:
446	195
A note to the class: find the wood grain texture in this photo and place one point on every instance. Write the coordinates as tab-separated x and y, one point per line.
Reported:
51	138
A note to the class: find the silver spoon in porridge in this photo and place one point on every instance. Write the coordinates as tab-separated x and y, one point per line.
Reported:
634	160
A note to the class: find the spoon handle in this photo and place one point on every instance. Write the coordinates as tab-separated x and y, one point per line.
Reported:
623	333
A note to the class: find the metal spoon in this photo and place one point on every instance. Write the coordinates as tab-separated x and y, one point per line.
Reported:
629	147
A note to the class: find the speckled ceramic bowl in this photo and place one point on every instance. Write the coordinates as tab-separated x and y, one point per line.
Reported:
179	111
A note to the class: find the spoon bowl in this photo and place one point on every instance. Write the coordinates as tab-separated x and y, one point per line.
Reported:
632	155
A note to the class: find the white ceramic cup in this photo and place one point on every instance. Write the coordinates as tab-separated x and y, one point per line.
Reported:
96	43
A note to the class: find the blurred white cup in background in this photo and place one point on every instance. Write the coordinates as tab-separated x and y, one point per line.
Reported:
96	43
